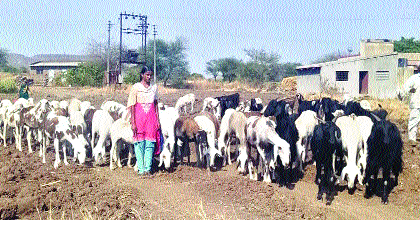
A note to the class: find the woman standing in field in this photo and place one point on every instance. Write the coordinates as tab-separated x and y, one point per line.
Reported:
142	104
24	89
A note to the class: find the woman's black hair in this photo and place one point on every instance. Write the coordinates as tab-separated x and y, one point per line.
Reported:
145	69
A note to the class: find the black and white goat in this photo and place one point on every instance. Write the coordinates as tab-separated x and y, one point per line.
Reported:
261	135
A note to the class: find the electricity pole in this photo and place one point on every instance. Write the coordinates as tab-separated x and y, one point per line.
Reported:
108	52
154	53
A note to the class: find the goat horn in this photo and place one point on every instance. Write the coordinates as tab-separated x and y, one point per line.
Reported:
376	117
321	120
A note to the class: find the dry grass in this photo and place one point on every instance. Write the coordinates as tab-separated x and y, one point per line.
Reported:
238	85
398	111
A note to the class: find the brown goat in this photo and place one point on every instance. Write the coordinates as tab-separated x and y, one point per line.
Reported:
186	131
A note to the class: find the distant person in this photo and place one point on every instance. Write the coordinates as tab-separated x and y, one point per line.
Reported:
412	91
24	89
143	107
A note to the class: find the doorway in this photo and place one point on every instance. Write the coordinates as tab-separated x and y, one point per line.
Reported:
363	82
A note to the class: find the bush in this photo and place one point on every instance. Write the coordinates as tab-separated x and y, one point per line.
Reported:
86	74
60	80
8	86
133	76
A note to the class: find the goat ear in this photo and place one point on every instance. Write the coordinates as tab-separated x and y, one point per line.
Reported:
288	109
337	134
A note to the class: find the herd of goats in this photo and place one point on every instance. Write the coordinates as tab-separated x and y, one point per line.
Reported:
346	140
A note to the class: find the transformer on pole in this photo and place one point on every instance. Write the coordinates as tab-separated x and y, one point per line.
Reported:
132	56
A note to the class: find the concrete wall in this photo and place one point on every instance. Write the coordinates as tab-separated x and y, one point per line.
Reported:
377	87
307	84
375	47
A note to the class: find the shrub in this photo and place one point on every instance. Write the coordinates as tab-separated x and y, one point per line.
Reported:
8	85
133	76
86	74
60	80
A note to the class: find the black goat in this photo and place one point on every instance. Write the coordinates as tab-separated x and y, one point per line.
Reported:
329	157
384	151
228	102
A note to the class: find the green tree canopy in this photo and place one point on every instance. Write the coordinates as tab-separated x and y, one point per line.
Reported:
407	45
266	64
3	58
229	67
171	62
212	67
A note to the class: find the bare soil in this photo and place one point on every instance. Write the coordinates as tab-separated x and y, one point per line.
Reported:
30	189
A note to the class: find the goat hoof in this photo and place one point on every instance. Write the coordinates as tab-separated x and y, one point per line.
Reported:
319	197
328	202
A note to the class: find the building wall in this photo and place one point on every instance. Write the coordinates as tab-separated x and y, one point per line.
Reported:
378	87
308	84
375	47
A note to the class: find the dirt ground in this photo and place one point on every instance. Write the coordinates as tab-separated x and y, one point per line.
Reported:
30	189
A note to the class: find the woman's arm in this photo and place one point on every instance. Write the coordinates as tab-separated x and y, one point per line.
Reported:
157	111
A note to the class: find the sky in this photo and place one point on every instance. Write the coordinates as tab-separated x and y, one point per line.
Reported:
298	31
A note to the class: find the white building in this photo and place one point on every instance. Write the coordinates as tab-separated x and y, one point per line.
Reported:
378	71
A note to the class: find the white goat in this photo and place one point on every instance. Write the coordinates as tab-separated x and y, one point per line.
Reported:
365	125
4	105
64	105
74	106
112	106
101	125
305	124
120	129
224	135
84	106
209	127
352	142
183	101
212	105
260	134
365	105
167	120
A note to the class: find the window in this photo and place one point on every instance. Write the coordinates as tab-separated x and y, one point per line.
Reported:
342	75
402	62
382	75
38	71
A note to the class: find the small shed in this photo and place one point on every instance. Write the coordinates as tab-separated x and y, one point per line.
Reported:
47	70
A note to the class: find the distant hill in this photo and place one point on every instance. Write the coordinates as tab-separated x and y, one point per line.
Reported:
19	60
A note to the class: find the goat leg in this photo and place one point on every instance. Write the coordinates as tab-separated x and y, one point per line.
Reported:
386	178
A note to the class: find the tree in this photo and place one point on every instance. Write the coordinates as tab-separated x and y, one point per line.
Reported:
229	68
3	57
212	68
97	52
288	69
265	63
253	71
407	45
171	63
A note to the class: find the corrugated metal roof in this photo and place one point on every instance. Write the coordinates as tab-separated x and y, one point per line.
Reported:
55	64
